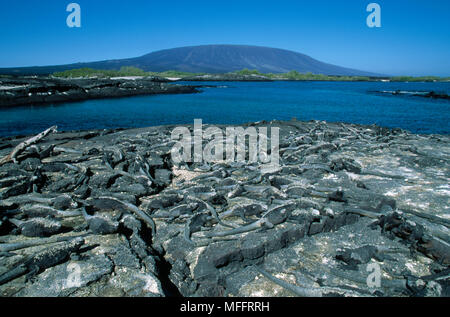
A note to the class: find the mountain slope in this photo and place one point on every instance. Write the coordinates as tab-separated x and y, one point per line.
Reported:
210	59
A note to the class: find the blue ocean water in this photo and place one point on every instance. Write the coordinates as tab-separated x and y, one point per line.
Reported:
240	102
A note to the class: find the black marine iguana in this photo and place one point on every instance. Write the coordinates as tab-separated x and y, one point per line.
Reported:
43	260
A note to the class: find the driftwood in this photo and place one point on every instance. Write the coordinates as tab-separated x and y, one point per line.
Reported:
11	157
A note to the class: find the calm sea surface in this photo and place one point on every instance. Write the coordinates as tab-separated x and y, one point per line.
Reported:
240	102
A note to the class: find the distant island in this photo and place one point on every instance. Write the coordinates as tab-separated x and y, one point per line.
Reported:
212	59
215	63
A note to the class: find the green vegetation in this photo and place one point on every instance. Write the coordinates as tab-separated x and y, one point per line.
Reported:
295	75
123	72
101	73
292	75
249	72
421	79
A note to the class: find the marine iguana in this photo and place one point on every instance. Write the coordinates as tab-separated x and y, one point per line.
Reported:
43	260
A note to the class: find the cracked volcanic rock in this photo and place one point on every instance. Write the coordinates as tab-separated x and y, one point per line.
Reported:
107	213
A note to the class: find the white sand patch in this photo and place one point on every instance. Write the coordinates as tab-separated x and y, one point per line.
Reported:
127	78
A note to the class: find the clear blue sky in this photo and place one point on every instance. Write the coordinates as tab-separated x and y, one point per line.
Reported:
413	39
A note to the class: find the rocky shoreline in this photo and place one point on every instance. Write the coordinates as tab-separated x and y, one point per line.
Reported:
227	77
422	94
26	91
107	213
